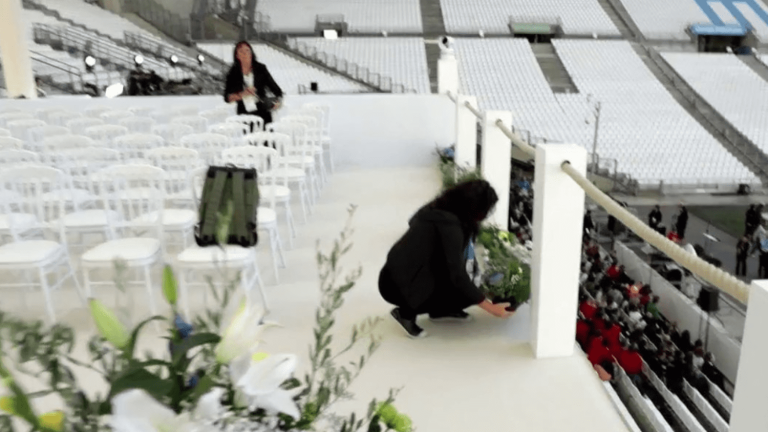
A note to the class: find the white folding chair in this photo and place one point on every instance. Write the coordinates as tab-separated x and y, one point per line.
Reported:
299	152
197	123
18	157
216	259
263	159
8	143
208	145
38	134
78	125
45	256
172	133
64	142
60	118
44	114
314	139
105	134
254	123
215	116
20	128
134	146
234	131
133	191
13	116
143	111
96	111
325	127
138	124
114	117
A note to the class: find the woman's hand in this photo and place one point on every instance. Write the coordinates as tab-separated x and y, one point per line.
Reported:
235	97
498	310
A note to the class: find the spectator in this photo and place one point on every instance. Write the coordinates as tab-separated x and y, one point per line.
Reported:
598	351
653	307
749	221
672	235
589	224
710	371
605	370
635	318
698	359
681	221
612	333
645	295
613	272
683	342
583	329
654	218
632	363
588	308
742	252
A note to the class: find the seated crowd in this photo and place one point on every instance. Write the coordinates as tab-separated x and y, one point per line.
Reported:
619	324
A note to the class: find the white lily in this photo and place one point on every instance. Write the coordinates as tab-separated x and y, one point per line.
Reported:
258	379
242	335
136	411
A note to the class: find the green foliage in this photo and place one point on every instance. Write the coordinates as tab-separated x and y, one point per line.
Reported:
453	175
515	277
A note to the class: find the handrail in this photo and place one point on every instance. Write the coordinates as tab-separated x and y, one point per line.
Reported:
516	140
720	279
473	110
70	70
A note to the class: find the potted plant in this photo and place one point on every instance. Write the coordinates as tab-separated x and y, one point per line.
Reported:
504	278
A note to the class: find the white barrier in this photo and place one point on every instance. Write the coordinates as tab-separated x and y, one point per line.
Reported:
706	409
649	411
625	415
685	312
673	401
723	399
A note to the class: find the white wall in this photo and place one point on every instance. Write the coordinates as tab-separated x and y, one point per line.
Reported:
368	131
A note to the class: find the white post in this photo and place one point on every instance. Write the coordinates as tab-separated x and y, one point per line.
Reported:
750	399
558	206
496	159
466	132
17	65
447	73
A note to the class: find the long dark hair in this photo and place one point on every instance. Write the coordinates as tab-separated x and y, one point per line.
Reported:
470	201
236	66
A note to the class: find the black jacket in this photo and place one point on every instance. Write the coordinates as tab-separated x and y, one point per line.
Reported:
431	254
262	80
682	220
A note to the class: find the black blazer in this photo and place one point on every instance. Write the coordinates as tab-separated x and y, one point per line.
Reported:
429	255
262	80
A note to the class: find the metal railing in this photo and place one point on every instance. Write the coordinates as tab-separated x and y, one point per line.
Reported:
173	25
75	76
162	50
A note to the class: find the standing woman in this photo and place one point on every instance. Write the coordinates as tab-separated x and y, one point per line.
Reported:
426	270
248	82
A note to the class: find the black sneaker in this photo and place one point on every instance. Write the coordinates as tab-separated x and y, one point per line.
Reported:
459	316
410	327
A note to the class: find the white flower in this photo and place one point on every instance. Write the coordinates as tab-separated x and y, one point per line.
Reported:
258	379
136	411
209	406
242	335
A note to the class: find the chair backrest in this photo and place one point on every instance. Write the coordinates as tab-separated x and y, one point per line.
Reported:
81	163
233	131
208	145
8	143
44	114
177	162
263	159
297	144
5	133
183	110
142	111
198	123
39	134
215	116
113	117
96	111
325	109
138	124
29	182
78	125
196	184
134	190
254	123
105	133
134	146
172	133
65	142
16	157
20	128
60	118
13	116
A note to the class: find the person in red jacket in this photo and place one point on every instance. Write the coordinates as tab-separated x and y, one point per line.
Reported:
632	363
599	352
611	334
588	309
613	272
582	332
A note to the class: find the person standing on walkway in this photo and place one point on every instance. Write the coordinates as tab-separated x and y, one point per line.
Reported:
742	252
749	220
681	221
426	273
654	218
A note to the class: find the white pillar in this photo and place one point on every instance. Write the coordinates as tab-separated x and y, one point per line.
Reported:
558	206
466	132
447	74
17	65
750	398
496	160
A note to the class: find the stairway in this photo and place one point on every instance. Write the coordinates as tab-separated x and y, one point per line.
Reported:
621	19
730	138
434	27
557	76
756	65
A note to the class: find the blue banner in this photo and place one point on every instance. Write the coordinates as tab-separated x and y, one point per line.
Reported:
719	30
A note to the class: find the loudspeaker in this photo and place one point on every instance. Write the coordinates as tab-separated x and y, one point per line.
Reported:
313	86
744	189
708	299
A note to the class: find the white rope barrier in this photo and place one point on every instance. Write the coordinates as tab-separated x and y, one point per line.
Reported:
717	277
516	140
451	96
477	113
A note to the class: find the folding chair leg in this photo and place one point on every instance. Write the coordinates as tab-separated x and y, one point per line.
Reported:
47	294
279	243
78	287
257	283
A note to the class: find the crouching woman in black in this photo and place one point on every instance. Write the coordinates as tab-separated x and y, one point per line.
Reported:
426	271
247	84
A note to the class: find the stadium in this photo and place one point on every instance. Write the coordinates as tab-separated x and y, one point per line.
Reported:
626	142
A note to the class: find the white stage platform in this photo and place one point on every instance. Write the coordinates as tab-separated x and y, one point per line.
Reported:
478	376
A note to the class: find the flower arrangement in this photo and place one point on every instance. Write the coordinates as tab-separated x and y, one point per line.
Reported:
505	279
453	174
213	378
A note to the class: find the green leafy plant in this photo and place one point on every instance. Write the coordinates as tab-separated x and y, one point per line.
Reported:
506	278
452	174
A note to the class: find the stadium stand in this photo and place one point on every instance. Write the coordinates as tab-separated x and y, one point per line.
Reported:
288	72
401	59
493	16
362	16
93	17
676	149
731	87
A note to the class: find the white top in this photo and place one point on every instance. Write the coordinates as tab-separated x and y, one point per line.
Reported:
249	101
248	79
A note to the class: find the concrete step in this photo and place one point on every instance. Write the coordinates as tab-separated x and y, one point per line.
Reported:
756	65
553	69
746	153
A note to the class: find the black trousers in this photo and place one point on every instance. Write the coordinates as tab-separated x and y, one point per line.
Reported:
444	300
741	265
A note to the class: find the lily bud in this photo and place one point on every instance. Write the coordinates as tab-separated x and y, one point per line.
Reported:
52	421
170	290
8	404
108	325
